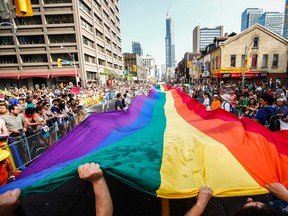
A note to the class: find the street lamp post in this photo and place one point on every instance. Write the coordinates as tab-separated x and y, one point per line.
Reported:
72	56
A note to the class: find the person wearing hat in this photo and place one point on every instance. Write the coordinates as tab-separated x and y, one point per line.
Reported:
226	105
5	168
281	108
215	103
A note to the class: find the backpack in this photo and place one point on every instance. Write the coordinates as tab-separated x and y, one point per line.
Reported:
273	120
231	107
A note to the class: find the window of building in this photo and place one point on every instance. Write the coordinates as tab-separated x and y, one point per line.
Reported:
99	34
91	75
8	59
265	61
254	60
86	25
88	42
255	42
39	39
58	19
100	48
6	40
84	7
101	62
242	60
275	60
89	58
97	19
233	61
62	38
34	58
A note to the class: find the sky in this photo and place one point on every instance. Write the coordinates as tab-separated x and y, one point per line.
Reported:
144	21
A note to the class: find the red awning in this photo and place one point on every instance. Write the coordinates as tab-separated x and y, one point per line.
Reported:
63	73
10	75
25	75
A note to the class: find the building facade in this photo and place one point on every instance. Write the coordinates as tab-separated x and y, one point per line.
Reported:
274	21
265	53
202	37
250	17
136	48
84	34
135	66
149	62
169	44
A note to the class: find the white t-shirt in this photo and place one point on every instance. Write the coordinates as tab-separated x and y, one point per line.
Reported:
206	102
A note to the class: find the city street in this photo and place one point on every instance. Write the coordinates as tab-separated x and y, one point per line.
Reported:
98	107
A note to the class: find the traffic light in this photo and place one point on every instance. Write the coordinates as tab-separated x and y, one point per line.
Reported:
59	62
246	62
134	68
23	8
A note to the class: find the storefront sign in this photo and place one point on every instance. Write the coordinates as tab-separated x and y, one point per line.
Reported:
226	75
263	74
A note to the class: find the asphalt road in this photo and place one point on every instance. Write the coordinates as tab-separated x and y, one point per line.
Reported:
98	107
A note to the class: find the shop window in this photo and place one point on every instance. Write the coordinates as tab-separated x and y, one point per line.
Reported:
265	61
233	61
254	61
275	60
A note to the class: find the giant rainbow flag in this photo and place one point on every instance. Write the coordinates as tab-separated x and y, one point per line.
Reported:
167	145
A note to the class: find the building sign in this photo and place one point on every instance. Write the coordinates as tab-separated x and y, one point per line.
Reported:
226	75
263	74
248	74
230	70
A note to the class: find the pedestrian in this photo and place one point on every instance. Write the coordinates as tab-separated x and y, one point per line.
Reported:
215	103
118	102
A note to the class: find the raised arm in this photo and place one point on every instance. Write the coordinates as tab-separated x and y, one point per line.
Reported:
103	202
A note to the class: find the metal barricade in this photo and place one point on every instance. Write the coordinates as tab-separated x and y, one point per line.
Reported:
24	149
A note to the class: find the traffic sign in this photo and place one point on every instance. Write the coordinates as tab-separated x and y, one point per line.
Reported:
66	62
125	72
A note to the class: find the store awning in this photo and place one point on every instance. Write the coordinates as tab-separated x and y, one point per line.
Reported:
63	73
10	75
25	75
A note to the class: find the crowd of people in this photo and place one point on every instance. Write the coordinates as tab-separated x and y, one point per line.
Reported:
258	102
25	112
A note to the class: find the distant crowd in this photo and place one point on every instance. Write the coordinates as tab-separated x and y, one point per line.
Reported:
263	103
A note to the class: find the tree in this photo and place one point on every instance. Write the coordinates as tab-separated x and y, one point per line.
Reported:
109	73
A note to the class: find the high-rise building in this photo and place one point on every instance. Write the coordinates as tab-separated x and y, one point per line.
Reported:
274	21
169	44
202	37
136	48
250	17
285	30
82	37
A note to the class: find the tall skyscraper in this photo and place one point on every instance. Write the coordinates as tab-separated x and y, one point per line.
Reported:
136	48
250	17
202	37
169	44
285	30
274	21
